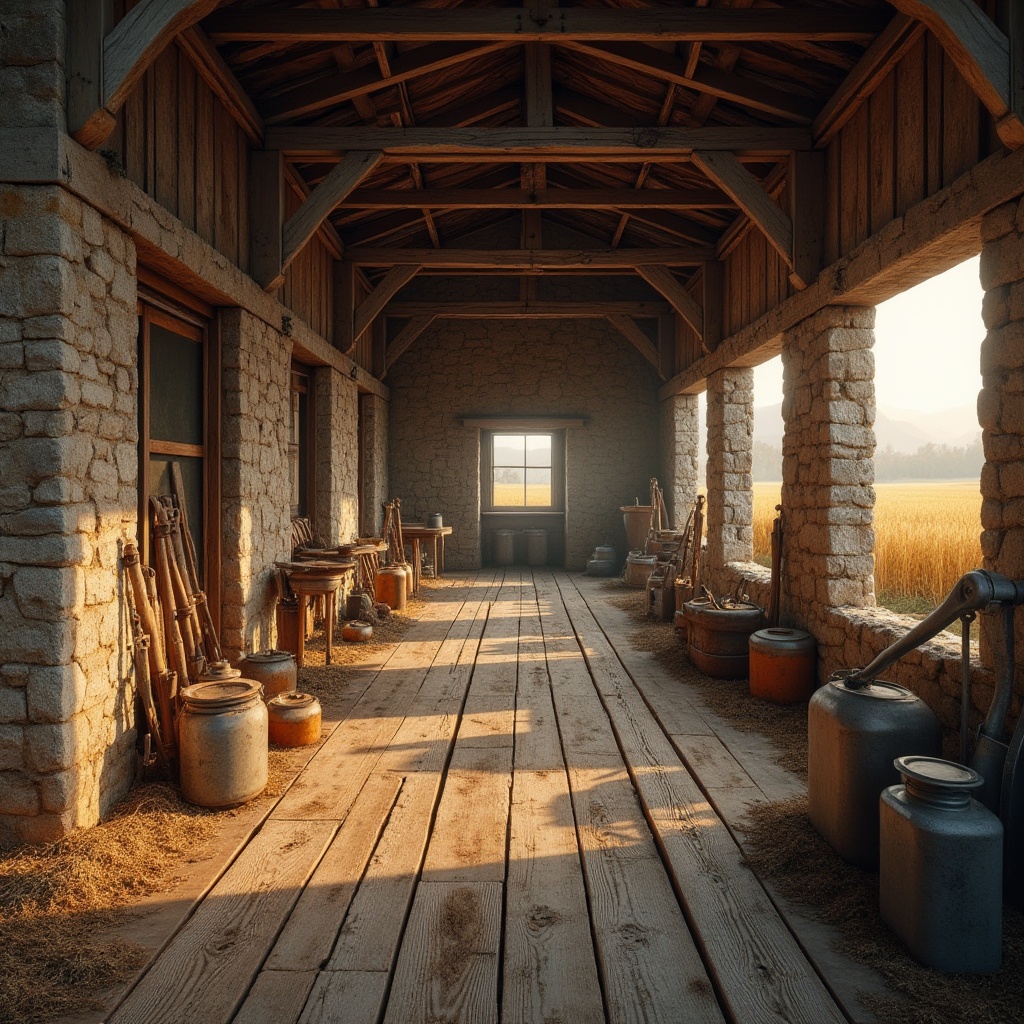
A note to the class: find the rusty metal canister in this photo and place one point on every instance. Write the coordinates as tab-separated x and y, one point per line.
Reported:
390	587
719	637
356	632
295	719
941	870
782	665
853	738
222	738
275	670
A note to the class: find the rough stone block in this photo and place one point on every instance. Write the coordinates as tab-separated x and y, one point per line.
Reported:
13	705
51	747
55	693
12	747
21	796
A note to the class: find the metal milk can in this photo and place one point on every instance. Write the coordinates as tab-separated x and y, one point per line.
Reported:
274	669
940	877
853	737
222	740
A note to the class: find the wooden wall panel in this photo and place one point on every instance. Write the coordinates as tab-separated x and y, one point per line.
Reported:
308	287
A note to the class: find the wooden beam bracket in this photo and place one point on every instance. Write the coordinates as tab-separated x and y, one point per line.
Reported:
393	282
665	283
627	327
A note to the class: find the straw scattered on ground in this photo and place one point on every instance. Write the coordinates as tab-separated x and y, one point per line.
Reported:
784	726
785	848
60	903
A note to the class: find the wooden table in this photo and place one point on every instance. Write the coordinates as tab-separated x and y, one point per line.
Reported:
316	579
435	535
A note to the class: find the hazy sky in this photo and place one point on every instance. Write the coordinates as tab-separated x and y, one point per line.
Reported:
926	346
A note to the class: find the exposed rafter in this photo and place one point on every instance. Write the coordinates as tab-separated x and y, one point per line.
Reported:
104	66
980	51
664	66
529	259
665	283
733	178
545	199
591	310
336	88
627	327
404	339
393	282
482	145
521	25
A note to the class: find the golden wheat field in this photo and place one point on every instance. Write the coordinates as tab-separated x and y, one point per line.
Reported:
926	537
511	495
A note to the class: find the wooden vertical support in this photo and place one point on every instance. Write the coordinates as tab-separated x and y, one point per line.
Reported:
88	22
266	215
344	305
714	304
378	354
807	212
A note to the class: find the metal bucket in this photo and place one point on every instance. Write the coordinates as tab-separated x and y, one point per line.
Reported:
638	569
435	522
274	670
504	547
536	547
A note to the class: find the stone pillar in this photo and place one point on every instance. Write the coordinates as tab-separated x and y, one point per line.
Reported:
679	439
68	467
337	456
827	470
373	411
255	380
1001	412
730	511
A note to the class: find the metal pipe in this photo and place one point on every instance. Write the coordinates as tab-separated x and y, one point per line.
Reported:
965	681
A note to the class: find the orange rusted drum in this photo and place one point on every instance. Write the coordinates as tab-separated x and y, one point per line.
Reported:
294	719
782	665
357	632
390	587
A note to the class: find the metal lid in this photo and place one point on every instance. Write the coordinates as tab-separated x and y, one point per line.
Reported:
880	689
219	671
269	656
781	634
292	700
221	694
781	640
937	773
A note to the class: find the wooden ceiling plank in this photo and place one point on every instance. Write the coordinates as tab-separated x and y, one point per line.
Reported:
665	283
548	144
521	25
393	282
302	225
626	326
404	339
892	44
980	52
724	85
529	259
733	178
103	69
551	198
519	308
333	89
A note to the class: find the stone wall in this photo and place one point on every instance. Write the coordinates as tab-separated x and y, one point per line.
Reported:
337	456
68	466
256	498
679	439
730	508
579	368
1001	414
373	411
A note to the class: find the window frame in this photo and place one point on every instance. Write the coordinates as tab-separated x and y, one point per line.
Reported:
487	503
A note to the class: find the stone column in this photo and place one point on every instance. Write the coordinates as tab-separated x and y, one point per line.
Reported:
255	491
827	470
1001	411
373	412
679	439
730	511
337	455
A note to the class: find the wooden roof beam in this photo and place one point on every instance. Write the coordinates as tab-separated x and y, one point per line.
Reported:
665	67
393	282
558	144
104	67
546	199
593	310
980	52
734	179
404	339
330	90
522	25
627	327
665	283
529	259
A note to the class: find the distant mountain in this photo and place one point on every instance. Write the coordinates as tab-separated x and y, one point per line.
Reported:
901	429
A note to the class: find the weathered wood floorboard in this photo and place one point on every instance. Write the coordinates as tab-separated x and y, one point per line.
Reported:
762	974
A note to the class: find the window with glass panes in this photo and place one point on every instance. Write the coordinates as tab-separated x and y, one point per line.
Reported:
522	468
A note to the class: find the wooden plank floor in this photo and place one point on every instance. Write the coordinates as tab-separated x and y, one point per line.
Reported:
515	822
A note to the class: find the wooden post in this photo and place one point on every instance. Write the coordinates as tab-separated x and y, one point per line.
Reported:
266	215
807	212
87	26
344	305
714	304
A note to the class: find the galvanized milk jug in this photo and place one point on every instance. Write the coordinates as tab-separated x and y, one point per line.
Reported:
853	737
941	870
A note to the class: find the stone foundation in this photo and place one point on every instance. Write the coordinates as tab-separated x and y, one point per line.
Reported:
255	488
68	501
679	437
337	456
373	412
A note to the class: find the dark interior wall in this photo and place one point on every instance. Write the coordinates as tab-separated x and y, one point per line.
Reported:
569	368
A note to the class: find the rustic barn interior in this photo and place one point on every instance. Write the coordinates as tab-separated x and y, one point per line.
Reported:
321	253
